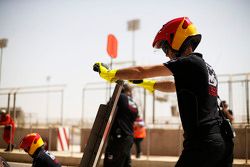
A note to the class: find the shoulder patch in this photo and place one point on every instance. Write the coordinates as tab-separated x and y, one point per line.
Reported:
50	155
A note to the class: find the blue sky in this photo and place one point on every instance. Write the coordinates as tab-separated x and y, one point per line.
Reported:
63	38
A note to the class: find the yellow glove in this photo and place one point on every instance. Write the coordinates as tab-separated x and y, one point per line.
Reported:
105	72
145	83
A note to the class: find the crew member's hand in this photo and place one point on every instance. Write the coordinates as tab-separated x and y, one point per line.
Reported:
105	72
145	83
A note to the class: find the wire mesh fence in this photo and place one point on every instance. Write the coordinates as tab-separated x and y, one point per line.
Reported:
46	104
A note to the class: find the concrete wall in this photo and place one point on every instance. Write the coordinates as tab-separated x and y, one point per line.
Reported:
48	135
240	144
164	142
168	142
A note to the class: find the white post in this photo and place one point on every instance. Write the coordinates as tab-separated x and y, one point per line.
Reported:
133	25
3	44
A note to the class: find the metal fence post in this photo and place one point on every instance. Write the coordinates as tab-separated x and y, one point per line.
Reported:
180	137
50	138
148	142
247	100
246	127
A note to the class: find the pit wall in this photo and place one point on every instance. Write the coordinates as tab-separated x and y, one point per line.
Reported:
163	142
168	142
49	136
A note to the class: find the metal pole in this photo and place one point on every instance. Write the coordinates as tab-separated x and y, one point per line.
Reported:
50	138
3	44
148	142
43	87
14	107
230	94
144	107
180	137
154	108
247	99
14	118
71	139
47	99
30	121
83	95
246	151
8	105
133	47
1	55
133	25
62	107
11	141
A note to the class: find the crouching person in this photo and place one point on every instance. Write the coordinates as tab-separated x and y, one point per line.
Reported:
33	145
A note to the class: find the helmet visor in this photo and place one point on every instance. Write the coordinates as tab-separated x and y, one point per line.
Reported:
164	46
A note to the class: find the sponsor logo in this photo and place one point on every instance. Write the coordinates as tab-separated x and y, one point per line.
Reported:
212	81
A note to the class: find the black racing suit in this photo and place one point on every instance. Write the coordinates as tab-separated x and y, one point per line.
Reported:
117	153
196	87
43	158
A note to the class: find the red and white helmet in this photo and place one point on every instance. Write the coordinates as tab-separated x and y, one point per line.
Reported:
177	33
